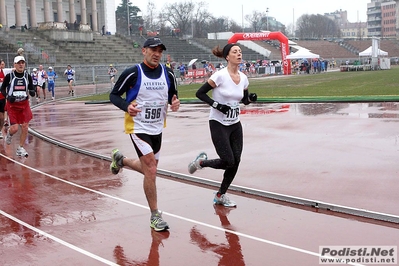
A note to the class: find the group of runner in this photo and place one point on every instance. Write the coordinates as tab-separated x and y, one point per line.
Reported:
144	92
17	87
40	77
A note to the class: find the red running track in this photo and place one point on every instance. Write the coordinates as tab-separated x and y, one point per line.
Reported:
59	207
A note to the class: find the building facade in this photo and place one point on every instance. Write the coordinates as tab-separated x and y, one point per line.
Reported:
388	21
91	14
382	18
353	30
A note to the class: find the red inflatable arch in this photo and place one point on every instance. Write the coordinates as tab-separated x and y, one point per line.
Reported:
257	36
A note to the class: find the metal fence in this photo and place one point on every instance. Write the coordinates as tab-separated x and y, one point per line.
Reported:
98	75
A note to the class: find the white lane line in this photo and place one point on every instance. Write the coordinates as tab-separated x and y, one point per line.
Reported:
56	239
177	216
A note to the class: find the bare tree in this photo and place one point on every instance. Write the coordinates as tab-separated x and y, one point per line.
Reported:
201	19
316	27
180	15
234	26
256	20
150	18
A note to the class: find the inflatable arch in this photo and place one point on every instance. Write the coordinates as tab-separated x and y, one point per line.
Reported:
257	36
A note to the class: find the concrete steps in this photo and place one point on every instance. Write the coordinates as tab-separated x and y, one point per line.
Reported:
40	49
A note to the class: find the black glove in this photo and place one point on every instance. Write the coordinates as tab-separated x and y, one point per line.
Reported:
32	93
11	98
253	97
223	108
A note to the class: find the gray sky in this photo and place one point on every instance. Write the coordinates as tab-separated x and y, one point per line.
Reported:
285	11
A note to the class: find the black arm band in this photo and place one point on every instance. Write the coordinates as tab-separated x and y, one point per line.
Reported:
202	93
245	99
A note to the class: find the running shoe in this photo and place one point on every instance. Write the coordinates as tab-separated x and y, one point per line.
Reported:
1	135
73	93
8	137
224	200
6	124
195	165
21	152
117	161
69	92
157	223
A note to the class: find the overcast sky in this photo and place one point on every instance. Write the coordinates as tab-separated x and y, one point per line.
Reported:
285	11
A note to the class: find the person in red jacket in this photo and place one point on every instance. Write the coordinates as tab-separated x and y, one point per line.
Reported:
3	116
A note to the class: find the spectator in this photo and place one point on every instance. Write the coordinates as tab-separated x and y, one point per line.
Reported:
141	30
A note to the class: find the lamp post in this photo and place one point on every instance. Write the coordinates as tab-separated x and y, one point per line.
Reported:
267	18
128	19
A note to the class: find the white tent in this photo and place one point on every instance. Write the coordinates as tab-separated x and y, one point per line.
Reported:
369	52
302	53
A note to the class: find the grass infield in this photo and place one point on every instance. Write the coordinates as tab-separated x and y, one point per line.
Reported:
332	86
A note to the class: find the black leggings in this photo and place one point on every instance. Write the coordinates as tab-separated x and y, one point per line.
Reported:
228	142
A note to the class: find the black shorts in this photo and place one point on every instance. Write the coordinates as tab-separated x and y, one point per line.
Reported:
153	141
43	86
2	105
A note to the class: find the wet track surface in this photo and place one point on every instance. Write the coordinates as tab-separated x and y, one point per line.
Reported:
341	153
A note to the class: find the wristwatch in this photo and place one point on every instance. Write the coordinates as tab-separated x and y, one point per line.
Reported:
215	104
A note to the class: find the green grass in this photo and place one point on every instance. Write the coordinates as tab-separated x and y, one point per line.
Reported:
382	85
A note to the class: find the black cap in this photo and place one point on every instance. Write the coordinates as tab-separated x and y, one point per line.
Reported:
154	42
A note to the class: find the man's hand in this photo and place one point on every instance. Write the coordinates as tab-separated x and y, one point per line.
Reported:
175	103
11	98
132	110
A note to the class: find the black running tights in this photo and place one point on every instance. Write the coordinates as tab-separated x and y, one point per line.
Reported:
228	142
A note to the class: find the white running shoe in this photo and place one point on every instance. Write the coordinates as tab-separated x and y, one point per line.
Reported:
21	152
195	165
224	200
8	137
1	135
